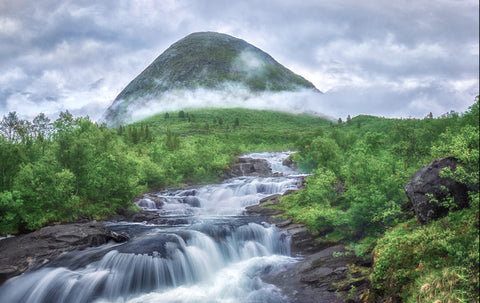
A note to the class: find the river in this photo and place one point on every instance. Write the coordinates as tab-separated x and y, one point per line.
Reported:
202	249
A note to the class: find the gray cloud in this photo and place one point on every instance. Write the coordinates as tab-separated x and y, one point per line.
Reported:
397	58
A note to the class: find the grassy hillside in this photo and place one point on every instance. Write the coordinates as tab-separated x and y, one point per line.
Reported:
250	130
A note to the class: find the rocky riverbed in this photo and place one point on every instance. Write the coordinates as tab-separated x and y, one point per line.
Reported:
30	251
328	271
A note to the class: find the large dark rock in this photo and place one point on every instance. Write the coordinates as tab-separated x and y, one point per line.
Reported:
26	252
249	167
303	242
427	184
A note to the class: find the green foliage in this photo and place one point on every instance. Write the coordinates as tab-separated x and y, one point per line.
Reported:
356	191
368	161
314	207
438	260
78	169
10	214
46	193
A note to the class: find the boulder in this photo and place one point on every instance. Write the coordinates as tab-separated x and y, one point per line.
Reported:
29	251
290	162
249	167
303	242
427	184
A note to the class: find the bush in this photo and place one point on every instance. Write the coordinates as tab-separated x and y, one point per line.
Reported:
409	258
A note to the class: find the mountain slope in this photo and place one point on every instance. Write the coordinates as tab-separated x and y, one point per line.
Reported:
205	60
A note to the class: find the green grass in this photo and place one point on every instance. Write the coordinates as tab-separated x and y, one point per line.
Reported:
437	261
254	129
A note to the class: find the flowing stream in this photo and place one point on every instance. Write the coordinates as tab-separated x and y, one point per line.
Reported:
203	248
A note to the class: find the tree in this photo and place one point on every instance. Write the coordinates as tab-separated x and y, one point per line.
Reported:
65	122
41	129
172	141
12	156
47	193
9	126
10	208
148	135
41	126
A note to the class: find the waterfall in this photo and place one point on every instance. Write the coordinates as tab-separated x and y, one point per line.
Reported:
216	254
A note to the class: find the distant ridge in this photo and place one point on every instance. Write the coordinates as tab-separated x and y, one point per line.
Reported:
206	60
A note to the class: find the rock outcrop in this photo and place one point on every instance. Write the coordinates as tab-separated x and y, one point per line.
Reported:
249	167
324	277
29	251
427	190
262	209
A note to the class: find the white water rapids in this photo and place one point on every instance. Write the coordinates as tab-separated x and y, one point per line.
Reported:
203	249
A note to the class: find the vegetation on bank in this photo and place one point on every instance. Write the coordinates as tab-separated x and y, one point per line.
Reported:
355	194
73	168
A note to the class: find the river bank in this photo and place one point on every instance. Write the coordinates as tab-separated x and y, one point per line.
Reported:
28	252
328	271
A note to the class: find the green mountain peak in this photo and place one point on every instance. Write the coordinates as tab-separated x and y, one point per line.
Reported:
206	60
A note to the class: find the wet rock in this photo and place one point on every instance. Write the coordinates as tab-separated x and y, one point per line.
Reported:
271	198
170	221
264	207
283	223
303	242
427	184
189	192
258	210
249	167
325	276
192	201
134	216
29	251
290	162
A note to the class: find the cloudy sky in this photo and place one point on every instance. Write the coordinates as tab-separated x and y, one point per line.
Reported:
402	58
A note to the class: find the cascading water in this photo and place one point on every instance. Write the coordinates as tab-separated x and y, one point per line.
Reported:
202	249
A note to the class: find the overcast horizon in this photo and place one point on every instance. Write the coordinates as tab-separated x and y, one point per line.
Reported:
395	59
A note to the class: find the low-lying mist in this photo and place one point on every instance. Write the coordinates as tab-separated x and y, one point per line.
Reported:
233	96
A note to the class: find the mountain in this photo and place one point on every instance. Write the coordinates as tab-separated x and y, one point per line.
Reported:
205	61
